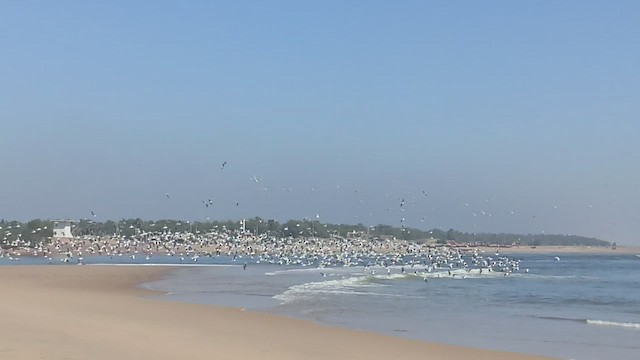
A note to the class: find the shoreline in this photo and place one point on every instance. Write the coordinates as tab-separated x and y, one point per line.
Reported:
102	312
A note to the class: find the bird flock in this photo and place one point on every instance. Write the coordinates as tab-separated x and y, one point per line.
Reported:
245	247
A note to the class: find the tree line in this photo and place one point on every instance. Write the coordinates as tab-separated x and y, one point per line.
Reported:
37	230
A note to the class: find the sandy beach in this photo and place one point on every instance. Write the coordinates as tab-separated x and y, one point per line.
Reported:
98	312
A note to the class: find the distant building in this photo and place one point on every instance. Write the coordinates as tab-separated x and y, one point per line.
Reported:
62	229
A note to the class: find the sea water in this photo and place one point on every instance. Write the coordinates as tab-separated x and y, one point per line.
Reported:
581	307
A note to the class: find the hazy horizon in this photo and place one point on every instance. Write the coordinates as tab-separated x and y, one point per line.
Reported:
510	117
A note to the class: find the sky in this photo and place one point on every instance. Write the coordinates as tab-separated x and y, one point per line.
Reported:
492	116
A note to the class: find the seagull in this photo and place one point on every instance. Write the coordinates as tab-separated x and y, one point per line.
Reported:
93	214
222	166
167	195
424	193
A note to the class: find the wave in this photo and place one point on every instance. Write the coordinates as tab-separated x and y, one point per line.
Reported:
613	323
378	272
628	325
364	284
459	274
454	274
346	286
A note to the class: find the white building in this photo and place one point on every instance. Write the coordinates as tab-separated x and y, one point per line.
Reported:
62	229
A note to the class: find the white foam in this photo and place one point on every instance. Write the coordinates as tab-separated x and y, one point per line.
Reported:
344	286
459	274
392	276
614	323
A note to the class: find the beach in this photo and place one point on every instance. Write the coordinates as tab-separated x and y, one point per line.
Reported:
100	312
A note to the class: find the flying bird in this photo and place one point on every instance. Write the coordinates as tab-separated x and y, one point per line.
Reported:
223	165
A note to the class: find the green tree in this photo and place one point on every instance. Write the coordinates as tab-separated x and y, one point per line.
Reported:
451	235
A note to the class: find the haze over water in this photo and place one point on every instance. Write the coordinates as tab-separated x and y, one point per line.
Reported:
512	117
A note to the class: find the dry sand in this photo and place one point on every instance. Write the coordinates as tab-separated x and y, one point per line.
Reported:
96	312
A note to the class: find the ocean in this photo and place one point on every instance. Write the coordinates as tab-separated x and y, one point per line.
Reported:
580	307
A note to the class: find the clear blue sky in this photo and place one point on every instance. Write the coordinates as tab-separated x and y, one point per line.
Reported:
513	116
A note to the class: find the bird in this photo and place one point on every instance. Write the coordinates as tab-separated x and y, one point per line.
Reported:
167	195
93	214
223	165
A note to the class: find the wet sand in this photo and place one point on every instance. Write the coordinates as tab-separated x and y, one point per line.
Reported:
98	312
